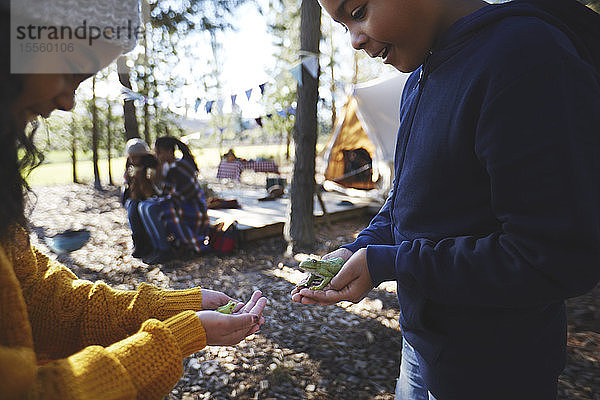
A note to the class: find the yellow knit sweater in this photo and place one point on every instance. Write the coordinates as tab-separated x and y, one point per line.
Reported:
66	338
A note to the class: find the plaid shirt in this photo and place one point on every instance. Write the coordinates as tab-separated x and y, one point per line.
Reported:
181	182
184	206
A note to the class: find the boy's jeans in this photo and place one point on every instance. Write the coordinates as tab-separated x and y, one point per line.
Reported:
410	385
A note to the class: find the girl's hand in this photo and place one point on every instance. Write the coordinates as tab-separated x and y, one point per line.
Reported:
226	329
254	305
211	299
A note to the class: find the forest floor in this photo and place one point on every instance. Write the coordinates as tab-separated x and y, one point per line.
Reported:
346	351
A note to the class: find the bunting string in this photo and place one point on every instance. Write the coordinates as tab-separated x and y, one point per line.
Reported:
307	60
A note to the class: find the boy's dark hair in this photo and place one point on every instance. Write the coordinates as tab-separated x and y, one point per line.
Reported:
169	143
18	155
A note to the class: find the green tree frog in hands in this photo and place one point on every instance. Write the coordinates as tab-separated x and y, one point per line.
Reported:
323	269
227	308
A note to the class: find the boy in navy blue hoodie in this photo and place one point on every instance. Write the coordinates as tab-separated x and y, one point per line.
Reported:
494	216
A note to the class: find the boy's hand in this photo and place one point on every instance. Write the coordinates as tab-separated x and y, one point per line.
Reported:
341	252
352	283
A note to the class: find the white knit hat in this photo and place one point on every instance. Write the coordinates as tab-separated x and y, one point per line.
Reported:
136	147
83	34
102	14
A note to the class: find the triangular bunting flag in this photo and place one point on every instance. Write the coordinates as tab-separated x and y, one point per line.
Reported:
198	101
233	97
208	106
258	121
296	72
248	93
129	94
312	65
262	88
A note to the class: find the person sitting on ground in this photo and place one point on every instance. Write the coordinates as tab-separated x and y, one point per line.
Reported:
140	167
62	337
180	209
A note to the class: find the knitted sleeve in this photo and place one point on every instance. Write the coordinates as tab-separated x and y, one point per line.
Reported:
43	302
67	313
70	313
145	365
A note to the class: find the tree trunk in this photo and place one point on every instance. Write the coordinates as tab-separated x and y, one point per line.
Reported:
109	142
282	140
301	230
129	114
74	160
147	136
221	140
157	124
95	134
74	149
288	141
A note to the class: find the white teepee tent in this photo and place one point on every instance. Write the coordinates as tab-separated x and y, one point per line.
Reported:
369	120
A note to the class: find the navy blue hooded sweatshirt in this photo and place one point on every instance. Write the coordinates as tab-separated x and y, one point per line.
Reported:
494	217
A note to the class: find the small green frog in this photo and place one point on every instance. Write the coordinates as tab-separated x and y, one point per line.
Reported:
227	308
324	269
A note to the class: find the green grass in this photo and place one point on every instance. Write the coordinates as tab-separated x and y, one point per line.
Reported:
64	156
57	165
56	173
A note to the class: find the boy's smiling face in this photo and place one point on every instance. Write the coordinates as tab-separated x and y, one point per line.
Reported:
401	32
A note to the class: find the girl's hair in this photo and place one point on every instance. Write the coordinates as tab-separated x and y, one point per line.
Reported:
18	154
169	143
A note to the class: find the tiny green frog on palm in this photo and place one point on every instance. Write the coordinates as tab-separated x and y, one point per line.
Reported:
227	308
324	269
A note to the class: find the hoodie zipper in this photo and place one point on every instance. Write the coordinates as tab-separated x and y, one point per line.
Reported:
424	69
413	111
423	75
